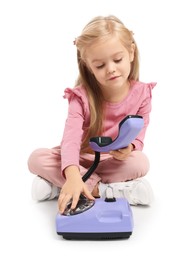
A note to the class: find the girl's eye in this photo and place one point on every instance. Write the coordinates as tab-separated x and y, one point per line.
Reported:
100	66
117	61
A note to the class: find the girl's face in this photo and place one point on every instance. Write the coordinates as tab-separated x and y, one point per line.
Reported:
110	63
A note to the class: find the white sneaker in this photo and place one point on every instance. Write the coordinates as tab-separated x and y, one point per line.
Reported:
43	189
137	192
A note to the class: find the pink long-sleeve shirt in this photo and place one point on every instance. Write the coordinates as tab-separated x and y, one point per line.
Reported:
137	102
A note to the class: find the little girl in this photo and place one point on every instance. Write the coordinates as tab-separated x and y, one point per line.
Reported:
107	90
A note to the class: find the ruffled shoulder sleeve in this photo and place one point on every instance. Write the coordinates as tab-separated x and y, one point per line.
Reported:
150	86
141	89
78	93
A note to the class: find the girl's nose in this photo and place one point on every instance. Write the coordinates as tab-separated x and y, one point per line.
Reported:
111	69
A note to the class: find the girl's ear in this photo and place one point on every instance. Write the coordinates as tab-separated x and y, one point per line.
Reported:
131	53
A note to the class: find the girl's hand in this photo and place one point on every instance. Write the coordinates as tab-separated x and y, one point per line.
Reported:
71	190
121	154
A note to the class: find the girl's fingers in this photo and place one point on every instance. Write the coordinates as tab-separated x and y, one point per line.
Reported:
88	194
75	200
63	200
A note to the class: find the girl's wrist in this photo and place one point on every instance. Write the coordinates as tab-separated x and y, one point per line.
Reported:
71	171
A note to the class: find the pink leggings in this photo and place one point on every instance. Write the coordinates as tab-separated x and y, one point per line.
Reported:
47	164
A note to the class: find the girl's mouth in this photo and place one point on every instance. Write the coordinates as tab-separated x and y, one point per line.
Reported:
113	78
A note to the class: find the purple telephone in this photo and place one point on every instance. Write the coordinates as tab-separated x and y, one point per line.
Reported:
103	218
129	127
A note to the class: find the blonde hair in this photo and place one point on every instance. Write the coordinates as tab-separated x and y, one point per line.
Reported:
100	28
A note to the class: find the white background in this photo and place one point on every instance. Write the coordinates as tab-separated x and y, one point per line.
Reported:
37	62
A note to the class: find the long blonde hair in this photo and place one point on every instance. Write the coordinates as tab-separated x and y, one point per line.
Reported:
100	28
